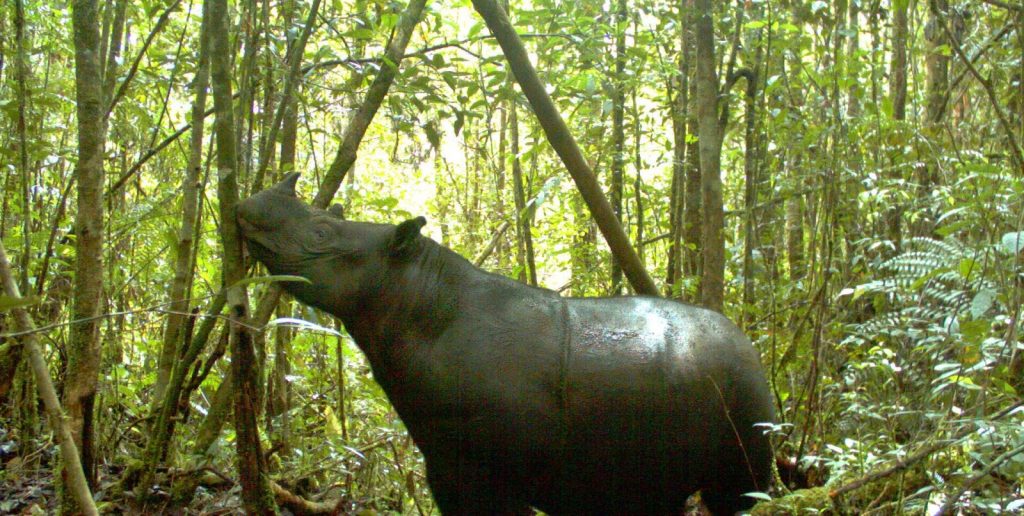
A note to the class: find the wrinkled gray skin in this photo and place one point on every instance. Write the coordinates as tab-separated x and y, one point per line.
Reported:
518	397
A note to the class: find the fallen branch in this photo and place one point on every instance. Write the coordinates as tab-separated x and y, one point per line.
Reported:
948	506
918	456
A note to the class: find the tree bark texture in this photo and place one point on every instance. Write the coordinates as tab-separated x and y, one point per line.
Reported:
710	147
84	339
256	495
618	129
565	146
21	79
898	70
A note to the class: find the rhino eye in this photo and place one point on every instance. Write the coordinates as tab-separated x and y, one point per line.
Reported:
321	232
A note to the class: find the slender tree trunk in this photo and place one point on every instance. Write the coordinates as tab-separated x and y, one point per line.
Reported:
937	83
693	214
853	108
709	145
21	80
256	495
172	363
751	165
279	395
638	196
673	272
898	71
109	71
524	222
84	339
618	128
286	116
183	260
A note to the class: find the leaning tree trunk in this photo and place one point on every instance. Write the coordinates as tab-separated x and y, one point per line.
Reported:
565	146
346	155
709	144
83	341
257	497
75	482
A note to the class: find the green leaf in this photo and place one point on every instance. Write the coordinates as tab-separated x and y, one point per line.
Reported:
1013	243
975	331
302	324
271	279
10	303
982	301
967	266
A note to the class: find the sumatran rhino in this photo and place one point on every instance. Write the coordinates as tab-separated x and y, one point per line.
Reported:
518	397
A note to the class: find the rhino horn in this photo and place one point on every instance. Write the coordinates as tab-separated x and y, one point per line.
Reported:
287	185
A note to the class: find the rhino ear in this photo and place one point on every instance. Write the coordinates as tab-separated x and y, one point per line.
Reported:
405	238
337	210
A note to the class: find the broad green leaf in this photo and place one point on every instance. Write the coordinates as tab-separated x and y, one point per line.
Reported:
1013	243
975	331
982	301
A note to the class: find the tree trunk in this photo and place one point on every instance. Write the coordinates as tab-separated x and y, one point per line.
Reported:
109	70
680	127
709	145
618	129
524	238
564	144
898	72
21	78
751	165
256	495
84	340
180	285
852	65
937	83
638	197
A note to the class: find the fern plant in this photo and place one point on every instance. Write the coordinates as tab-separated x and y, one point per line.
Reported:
934	350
